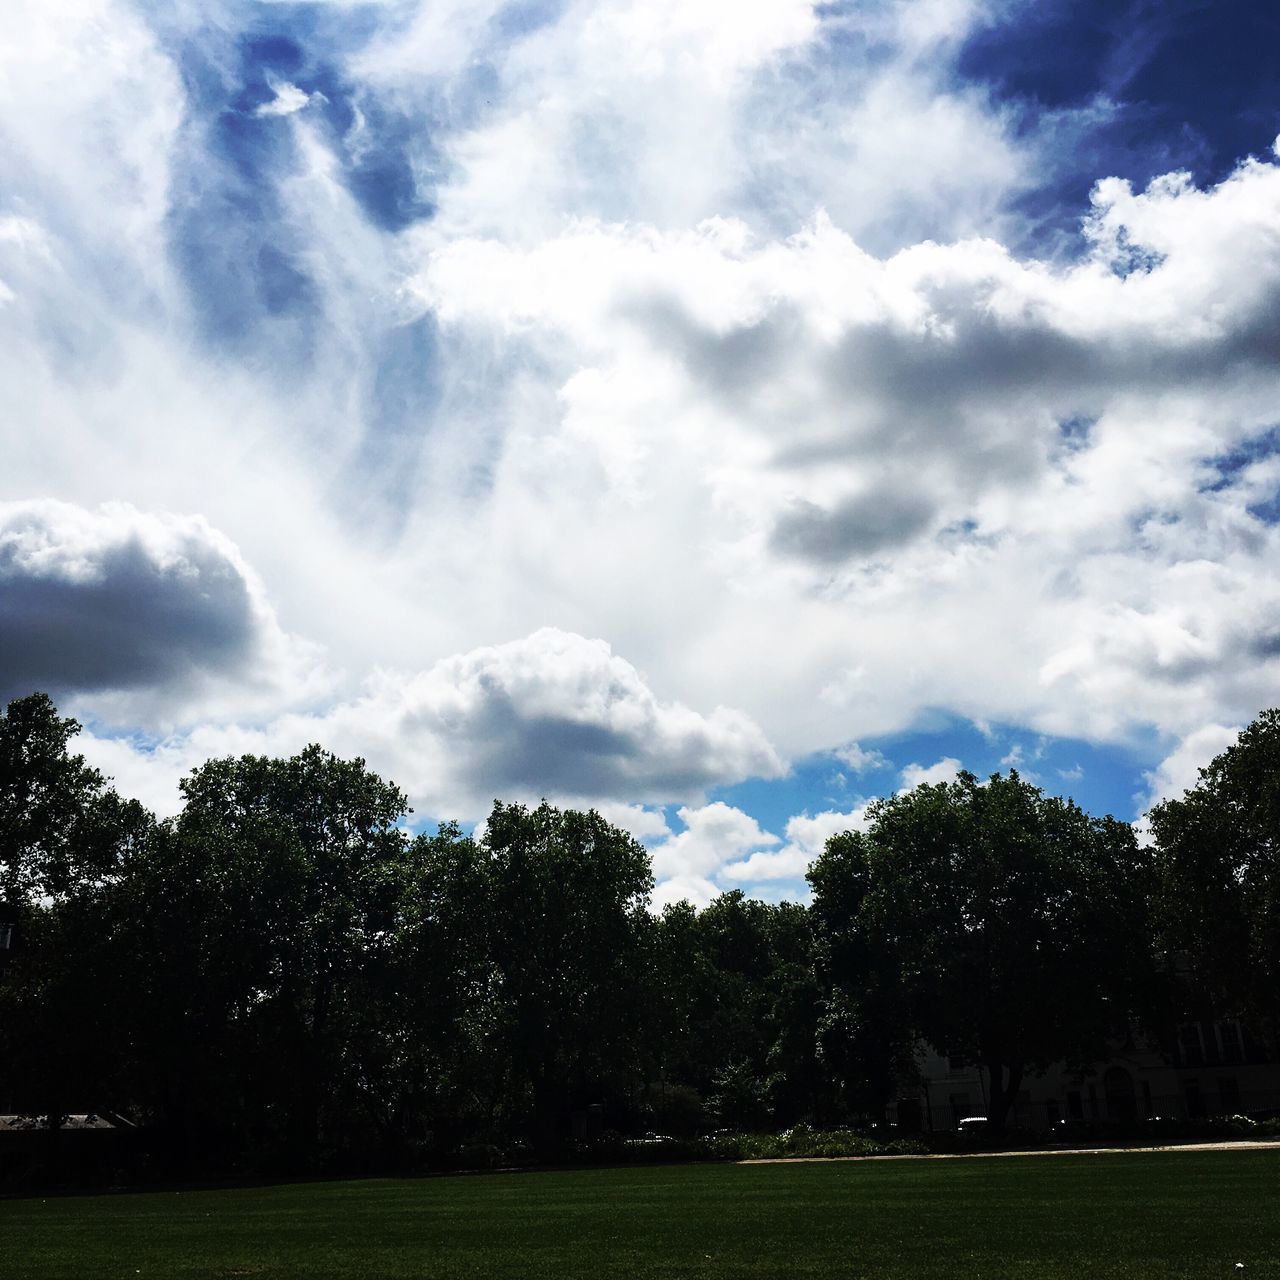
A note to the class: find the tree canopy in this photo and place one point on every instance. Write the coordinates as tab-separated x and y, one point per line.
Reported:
997	921
1218	850
61	825
285	977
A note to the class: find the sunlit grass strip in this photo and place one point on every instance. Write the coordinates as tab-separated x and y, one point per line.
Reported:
1134	1215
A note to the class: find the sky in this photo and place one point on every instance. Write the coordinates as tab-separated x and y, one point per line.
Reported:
717	413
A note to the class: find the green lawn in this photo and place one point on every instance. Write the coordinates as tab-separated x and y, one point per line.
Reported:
1156	1215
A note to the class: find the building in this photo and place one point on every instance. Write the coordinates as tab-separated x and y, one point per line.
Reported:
1218	1068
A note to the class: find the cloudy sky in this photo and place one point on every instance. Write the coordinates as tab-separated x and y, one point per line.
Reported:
716	411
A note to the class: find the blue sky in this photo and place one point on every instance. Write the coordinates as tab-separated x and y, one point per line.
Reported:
721	415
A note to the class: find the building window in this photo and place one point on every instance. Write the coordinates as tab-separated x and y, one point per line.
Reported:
1075	1105
959	1106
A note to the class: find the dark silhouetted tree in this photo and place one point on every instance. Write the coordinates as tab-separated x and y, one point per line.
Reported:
1004	923
571	942
1218	850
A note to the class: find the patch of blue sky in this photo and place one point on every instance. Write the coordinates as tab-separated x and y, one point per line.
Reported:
236	240
1101	777
1131	89
1229	465
229	230
1228	470
1074	432
515	21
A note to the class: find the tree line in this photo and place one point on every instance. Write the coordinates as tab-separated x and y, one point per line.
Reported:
283	977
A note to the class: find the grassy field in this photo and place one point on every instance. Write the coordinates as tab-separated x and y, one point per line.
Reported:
1131	1215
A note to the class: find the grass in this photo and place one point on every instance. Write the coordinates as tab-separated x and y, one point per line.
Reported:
1130	1215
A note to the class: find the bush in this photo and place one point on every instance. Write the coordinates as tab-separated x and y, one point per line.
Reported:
804	1141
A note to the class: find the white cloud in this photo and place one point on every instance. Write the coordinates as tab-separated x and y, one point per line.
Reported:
554	715
860	759
721	847
697	890
289	99
812	833
806	838
881	439
1180	770
136	607
714	835
643	823
945	770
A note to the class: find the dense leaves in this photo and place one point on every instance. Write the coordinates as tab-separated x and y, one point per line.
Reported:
991	920
286	977
569	938
61	826
1219	864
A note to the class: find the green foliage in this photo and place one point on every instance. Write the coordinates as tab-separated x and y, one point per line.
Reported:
739	1006
1219	867
802	1141
989	919
274	898
61	827
569	938
67	843
282	978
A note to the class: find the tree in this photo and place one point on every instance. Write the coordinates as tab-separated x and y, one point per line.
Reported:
67	841
420	1070
61	825
1002	923
570	939
864	1035
1218	851
739	1007
261	913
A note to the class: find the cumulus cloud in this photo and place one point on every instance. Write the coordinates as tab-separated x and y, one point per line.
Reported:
714	835
697	890
553	715
563	715
916	775
114	600
722	848
949	432
806	838
1179	771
